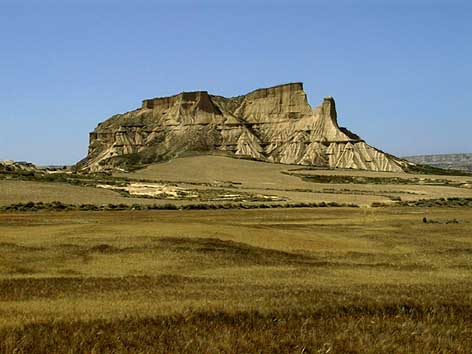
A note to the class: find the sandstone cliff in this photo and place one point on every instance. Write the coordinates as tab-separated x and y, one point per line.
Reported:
274	124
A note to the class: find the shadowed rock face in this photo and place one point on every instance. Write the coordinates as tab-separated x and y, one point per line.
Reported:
274	124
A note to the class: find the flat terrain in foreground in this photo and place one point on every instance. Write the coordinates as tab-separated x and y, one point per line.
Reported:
334	280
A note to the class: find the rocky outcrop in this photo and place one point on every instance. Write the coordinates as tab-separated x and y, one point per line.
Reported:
274	124
15	166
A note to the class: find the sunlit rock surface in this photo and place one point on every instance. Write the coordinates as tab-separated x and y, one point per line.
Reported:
274	124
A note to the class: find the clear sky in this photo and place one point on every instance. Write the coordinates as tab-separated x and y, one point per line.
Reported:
400	71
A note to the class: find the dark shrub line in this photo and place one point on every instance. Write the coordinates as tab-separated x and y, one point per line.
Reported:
429	203
339	179
59	206
90	180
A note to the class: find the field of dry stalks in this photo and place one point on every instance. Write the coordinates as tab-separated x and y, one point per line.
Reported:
324	280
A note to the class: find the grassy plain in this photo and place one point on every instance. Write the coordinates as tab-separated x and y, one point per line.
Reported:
307	280
340	280
12	191
214	177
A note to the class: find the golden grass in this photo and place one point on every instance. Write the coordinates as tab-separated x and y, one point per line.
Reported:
236	281
222	168
261	177
13	191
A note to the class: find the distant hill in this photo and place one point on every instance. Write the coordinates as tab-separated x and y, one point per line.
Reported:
461	162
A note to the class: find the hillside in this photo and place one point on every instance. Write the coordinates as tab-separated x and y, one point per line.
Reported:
448	161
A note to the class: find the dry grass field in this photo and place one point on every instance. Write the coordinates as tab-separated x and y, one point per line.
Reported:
285	181
326	280
213	168
25	191
214	177
392	279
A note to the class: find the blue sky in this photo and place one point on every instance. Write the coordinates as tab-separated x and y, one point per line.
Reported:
400	71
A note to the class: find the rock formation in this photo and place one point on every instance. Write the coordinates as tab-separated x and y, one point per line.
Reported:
16	166
274	124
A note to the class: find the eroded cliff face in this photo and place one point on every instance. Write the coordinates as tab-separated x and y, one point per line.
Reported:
274	124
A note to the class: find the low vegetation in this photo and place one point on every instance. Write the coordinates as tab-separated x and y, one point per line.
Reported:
89	270
346	179
373	327
62	177
431	170
430	203
59	206
324	280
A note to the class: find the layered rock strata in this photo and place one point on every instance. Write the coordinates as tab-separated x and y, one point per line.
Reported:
274	124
